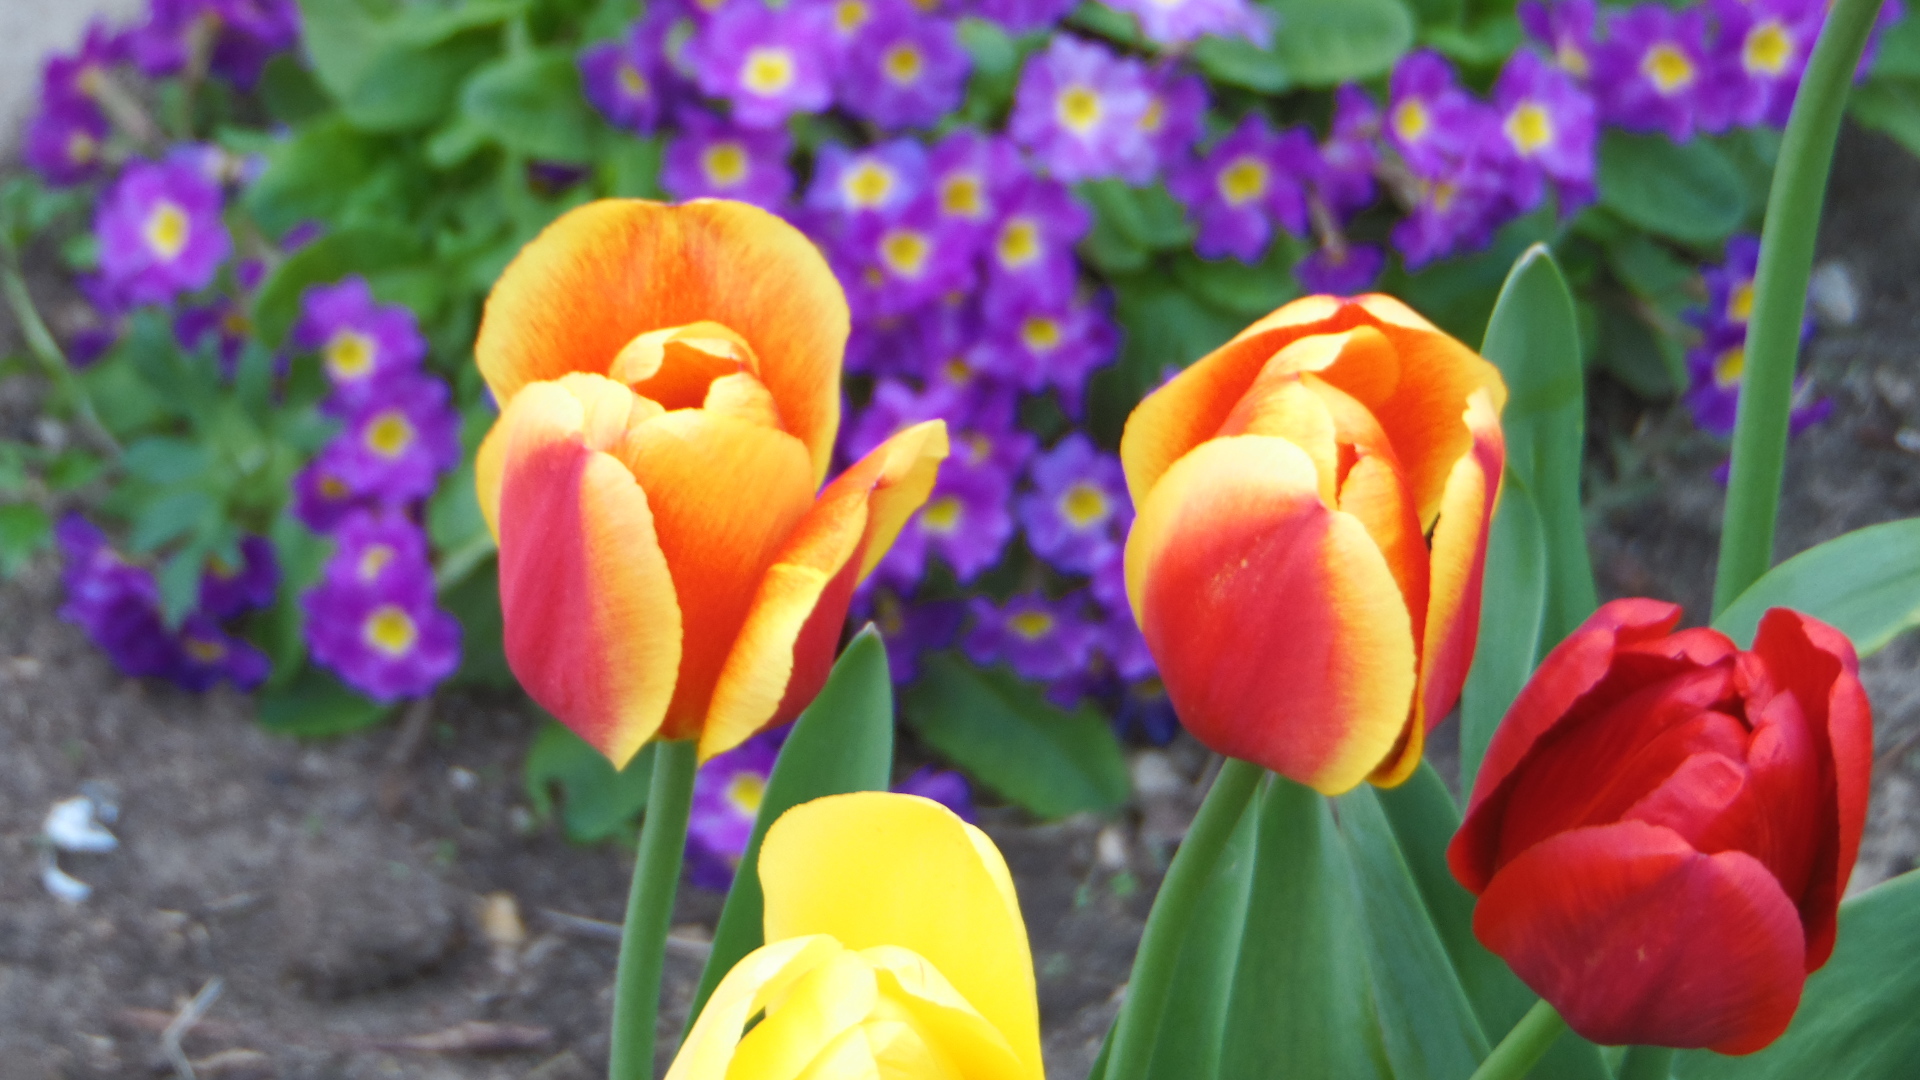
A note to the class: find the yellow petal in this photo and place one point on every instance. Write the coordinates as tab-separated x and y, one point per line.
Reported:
847	1057
815	1010
761	976
946	1019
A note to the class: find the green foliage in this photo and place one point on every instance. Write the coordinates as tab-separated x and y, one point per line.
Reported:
24	530
1193	1026
1865	583
1686	191
394	67
596	801
313	704
530	104
1323	43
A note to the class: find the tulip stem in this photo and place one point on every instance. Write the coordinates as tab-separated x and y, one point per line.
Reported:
1780	299
656	880
1647	1063
1138	1026
1524	1045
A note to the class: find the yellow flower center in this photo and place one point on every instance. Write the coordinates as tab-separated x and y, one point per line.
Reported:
905	252
979	448
221	568
374	560
963	195
1019	242
1410	120
867	185
390	434
1084	505
942	515
332	487
903	64
1667	68
1443	194
207	652
1768	49
235	322
1031	625
1729	366
725	164
744	793
1243	181
349	354
81	147
1740	302
1040	334
1573	60
1154	116
1529	128
851	15
166	230
958	371
768	71
390	630
631	81
1078	108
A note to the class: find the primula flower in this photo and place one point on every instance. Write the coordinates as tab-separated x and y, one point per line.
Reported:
227	590
647	357
709	158
1343	271
944	786
398	442
73	80
1430	119
910	629
893	265
966	521
726	802
1664	825
1349	155
1313	501
1761	52
1175	117
1716	368
64	142
1034	342
904	69
1648	70
207	655
1467	199
1030	252
767	63
160	232
1182	22
223	325
1730	286
244	34
361	343
1022	16
1565	27
1548	120
894	947
972	176
1039	638
1078	109
1246	183
626	78
376	549
882	178
1077	512
373	619
321	497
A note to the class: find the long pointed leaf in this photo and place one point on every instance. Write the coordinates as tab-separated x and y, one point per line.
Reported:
1512	610
1188	1045
1866	583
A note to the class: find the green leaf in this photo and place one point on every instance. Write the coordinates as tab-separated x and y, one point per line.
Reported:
314	704
531	103
24	530
1534	340
1324	43
1458	294
1866	584
475	601
843	742
1898	55
303	556
1686	191
1000	729
596	801
1513	602
165	460
1235	287
1648	364
290	92
1856	1017
358	250
1483	44
311	175
399	71
1147	218
179	580
1890	106
1188	1046
630	168
170	517
1239	62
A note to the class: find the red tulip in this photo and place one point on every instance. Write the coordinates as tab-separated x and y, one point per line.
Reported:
1664	824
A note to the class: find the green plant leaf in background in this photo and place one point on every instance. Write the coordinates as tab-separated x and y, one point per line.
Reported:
314	704
311	174
843	742
1324	43
1188	1045
359	249
1002	731
597	802
24	530
1241	63
531	104
399	67
1513	595
1865	583
1687	191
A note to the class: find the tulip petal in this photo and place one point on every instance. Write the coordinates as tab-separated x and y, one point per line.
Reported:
875	868
820	1006
609	271
979	1049
784	649
1637	938
726	495
1233	555
761	976
850	1056
593	619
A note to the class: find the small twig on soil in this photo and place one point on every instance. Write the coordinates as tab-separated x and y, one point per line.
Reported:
1890	757
183	1022
582	926
413	731
470	1037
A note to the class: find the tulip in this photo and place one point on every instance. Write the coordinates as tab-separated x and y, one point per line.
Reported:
669	381
1314	498
1664	824
894	948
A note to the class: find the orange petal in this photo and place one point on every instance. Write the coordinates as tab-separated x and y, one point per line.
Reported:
726	495
674	366
610	271
783	653
743	396
1279	631
1286	407
608	410
593	622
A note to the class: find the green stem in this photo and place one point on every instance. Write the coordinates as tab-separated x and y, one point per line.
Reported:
1524	1045
656	878
1647	1063
45	350
1780	298
1138	1025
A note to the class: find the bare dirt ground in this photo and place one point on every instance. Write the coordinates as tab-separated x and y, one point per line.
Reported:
336	889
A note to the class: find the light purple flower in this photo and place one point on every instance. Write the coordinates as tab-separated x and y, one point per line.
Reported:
882	178
245	34
1247	182
1078	110
1176	113
398	442
1548	120
321	496
1468	197
63	143
944	786
709	158
973	174
903	68
1031	250
1344	271
160	232
1125	648
767	63
1648	70
1035	341
1182	22
1022	16
727	792
1761	49
1108	583
361	343
73	79
388	641
892	265
1039	638
227	590
1078	510
1430	119
376	549
909	630
625	78
1566	28
1350	153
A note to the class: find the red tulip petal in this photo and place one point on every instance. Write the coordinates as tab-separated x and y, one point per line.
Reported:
1280	634
1637	938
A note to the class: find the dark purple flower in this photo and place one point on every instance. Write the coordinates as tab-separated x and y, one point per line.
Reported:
63	142
1730	289
1430	119
1716	368
1176	113
1109	583
966	520
1182	22
1549	122
1349	155
1031	250
1034	341
160	232
727	792
382	634
208	655
903	69
892	265
1146	711
227	590
625	78
1761	51
1021	16
708	158
972	176
361	343
1039	638
222	324
398	442
1469	197
1125	648
944	786
244	35
1247	182
376	547
1344	271
767	63
1078	510
321	497
70	80
878	179
1078	110
1647	71
908	630
107	313
115	603
1565	27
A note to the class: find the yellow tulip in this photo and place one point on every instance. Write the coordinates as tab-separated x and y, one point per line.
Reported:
895	949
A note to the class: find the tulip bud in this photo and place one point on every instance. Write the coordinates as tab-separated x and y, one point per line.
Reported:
1314	498
1664	825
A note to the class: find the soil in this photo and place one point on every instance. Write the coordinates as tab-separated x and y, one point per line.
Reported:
386	904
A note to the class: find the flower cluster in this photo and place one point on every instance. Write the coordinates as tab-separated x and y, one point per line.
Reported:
373	618
1716	364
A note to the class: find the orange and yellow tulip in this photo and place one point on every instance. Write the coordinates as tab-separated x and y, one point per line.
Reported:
895	948
1314	498
669	383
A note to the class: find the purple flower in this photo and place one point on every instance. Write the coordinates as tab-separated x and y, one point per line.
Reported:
1730	287
116	604
1647	71
106	313
625	78
727	792
1125	648
361	343
1035	341
1078	110
321	497
376	547
382	634
892	265
1761	52
881	178
1344	271
227	590
1469	196
709	158
1145	710
160	232
1249	179
1031	251
398	442
1109	583
973	175
1716	368
70	80
1078	510
1181	22
944	786
224	324
909	630
1176	113
767	63
245	34
903	68
63	142
208	655
1430	119
1548	120
1565	27
1349	155
1039	638
1021	16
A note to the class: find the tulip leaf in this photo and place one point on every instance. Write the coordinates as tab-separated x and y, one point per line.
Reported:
597	802
1684	191
1001	730
1534	340
1856	1017
1512	606
1865	583
1188	1044
843	742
